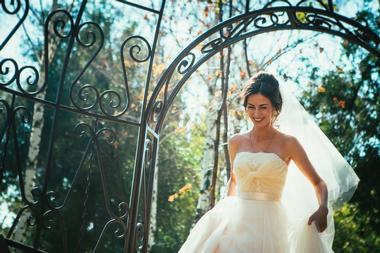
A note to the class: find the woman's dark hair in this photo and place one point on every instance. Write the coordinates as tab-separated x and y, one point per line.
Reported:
265	84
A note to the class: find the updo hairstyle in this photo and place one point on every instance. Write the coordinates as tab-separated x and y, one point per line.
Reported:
265	84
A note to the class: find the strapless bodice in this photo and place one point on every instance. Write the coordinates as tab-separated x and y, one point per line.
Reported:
260	175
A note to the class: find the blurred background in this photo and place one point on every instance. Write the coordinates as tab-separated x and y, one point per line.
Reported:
337	82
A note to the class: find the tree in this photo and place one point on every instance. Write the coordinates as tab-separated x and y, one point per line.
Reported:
346	103
74	178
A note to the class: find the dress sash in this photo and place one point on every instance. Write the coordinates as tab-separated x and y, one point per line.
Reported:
264	196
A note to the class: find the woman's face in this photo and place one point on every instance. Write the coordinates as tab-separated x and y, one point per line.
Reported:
260	110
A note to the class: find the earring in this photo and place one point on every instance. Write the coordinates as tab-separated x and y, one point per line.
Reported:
274	116
274	120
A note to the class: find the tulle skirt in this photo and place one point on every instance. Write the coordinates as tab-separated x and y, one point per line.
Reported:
237	225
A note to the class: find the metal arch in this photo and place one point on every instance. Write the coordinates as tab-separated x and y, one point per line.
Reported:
271	18
228	32
238	28
86	35
248	25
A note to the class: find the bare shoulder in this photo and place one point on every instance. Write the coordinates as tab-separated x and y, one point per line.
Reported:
280	135
236	139
286	139
291	142
289	138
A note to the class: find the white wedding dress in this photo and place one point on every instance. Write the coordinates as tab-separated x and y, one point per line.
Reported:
256	220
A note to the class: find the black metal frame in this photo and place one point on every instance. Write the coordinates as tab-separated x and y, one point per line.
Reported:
134	221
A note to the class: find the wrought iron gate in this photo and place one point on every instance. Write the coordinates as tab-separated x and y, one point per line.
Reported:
131	220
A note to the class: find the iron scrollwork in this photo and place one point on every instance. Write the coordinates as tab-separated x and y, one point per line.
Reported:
12	7
24	82
87	99
11	72
147	177
276	15
110	102
118	220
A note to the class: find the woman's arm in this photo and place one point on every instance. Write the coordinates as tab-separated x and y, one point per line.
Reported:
231	185
232	148
299	156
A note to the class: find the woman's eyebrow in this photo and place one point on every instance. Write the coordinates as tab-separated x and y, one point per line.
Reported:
254	105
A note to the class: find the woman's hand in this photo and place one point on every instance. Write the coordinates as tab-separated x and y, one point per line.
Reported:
319	218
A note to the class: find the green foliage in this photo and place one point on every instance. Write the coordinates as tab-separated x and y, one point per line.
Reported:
346	103
80	222
179	164
354	230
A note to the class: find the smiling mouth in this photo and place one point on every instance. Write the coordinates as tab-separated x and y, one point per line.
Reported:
257	120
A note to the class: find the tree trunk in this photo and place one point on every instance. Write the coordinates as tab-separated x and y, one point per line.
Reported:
203	204
20	232
153	210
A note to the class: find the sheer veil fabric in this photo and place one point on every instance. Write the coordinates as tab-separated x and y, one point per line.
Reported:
299	197
274	201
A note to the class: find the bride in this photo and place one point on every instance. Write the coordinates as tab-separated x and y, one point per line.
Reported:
284	182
